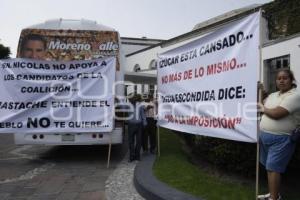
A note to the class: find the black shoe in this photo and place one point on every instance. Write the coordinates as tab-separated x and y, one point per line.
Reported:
138	158
131	159
152	151
145	151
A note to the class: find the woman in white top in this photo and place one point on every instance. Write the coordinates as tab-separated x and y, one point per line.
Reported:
281	115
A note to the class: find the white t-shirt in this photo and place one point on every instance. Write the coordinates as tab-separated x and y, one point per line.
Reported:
289	100
150	112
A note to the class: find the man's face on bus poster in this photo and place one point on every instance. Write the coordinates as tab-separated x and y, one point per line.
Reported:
34	47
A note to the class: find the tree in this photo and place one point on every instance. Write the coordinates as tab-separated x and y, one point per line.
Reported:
283	18
4	52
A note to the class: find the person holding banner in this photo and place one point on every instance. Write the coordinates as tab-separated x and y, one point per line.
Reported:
281	115
33	46
136	122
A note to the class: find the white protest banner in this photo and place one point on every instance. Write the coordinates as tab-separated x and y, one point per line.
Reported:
49	97
209	86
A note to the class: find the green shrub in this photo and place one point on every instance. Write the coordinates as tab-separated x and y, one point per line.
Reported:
231	156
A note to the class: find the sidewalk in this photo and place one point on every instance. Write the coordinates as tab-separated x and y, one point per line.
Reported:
119	185
135	181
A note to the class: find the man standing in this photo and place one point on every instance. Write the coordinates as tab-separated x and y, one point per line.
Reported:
151	124
135	126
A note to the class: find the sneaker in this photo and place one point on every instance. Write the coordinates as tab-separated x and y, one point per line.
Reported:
267	197
279	197
264	196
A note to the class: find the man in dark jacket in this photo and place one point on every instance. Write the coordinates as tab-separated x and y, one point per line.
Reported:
136	122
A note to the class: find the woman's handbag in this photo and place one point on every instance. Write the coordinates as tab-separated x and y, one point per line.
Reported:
295	137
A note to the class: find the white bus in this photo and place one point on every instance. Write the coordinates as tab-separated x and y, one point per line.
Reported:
66	40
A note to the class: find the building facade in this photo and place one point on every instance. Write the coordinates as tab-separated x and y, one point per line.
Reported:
277	54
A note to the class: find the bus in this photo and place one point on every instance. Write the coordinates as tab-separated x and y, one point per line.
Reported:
69	40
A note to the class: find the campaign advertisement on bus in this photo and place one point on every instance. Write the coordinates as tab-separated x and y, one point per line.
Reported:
67	45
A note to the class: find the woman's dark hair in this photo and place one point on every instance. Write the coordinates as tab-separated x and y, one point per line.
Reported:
290	75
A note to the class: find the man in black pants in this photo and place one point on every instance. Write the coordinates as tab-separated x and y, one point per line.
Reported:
151	125
136	121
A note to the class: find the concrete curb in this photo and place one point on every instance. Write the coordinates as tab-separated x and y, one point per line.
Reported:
151	188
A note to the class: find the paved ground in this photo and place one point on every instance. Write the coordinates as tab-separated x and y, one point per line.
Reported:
55	172
119	185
